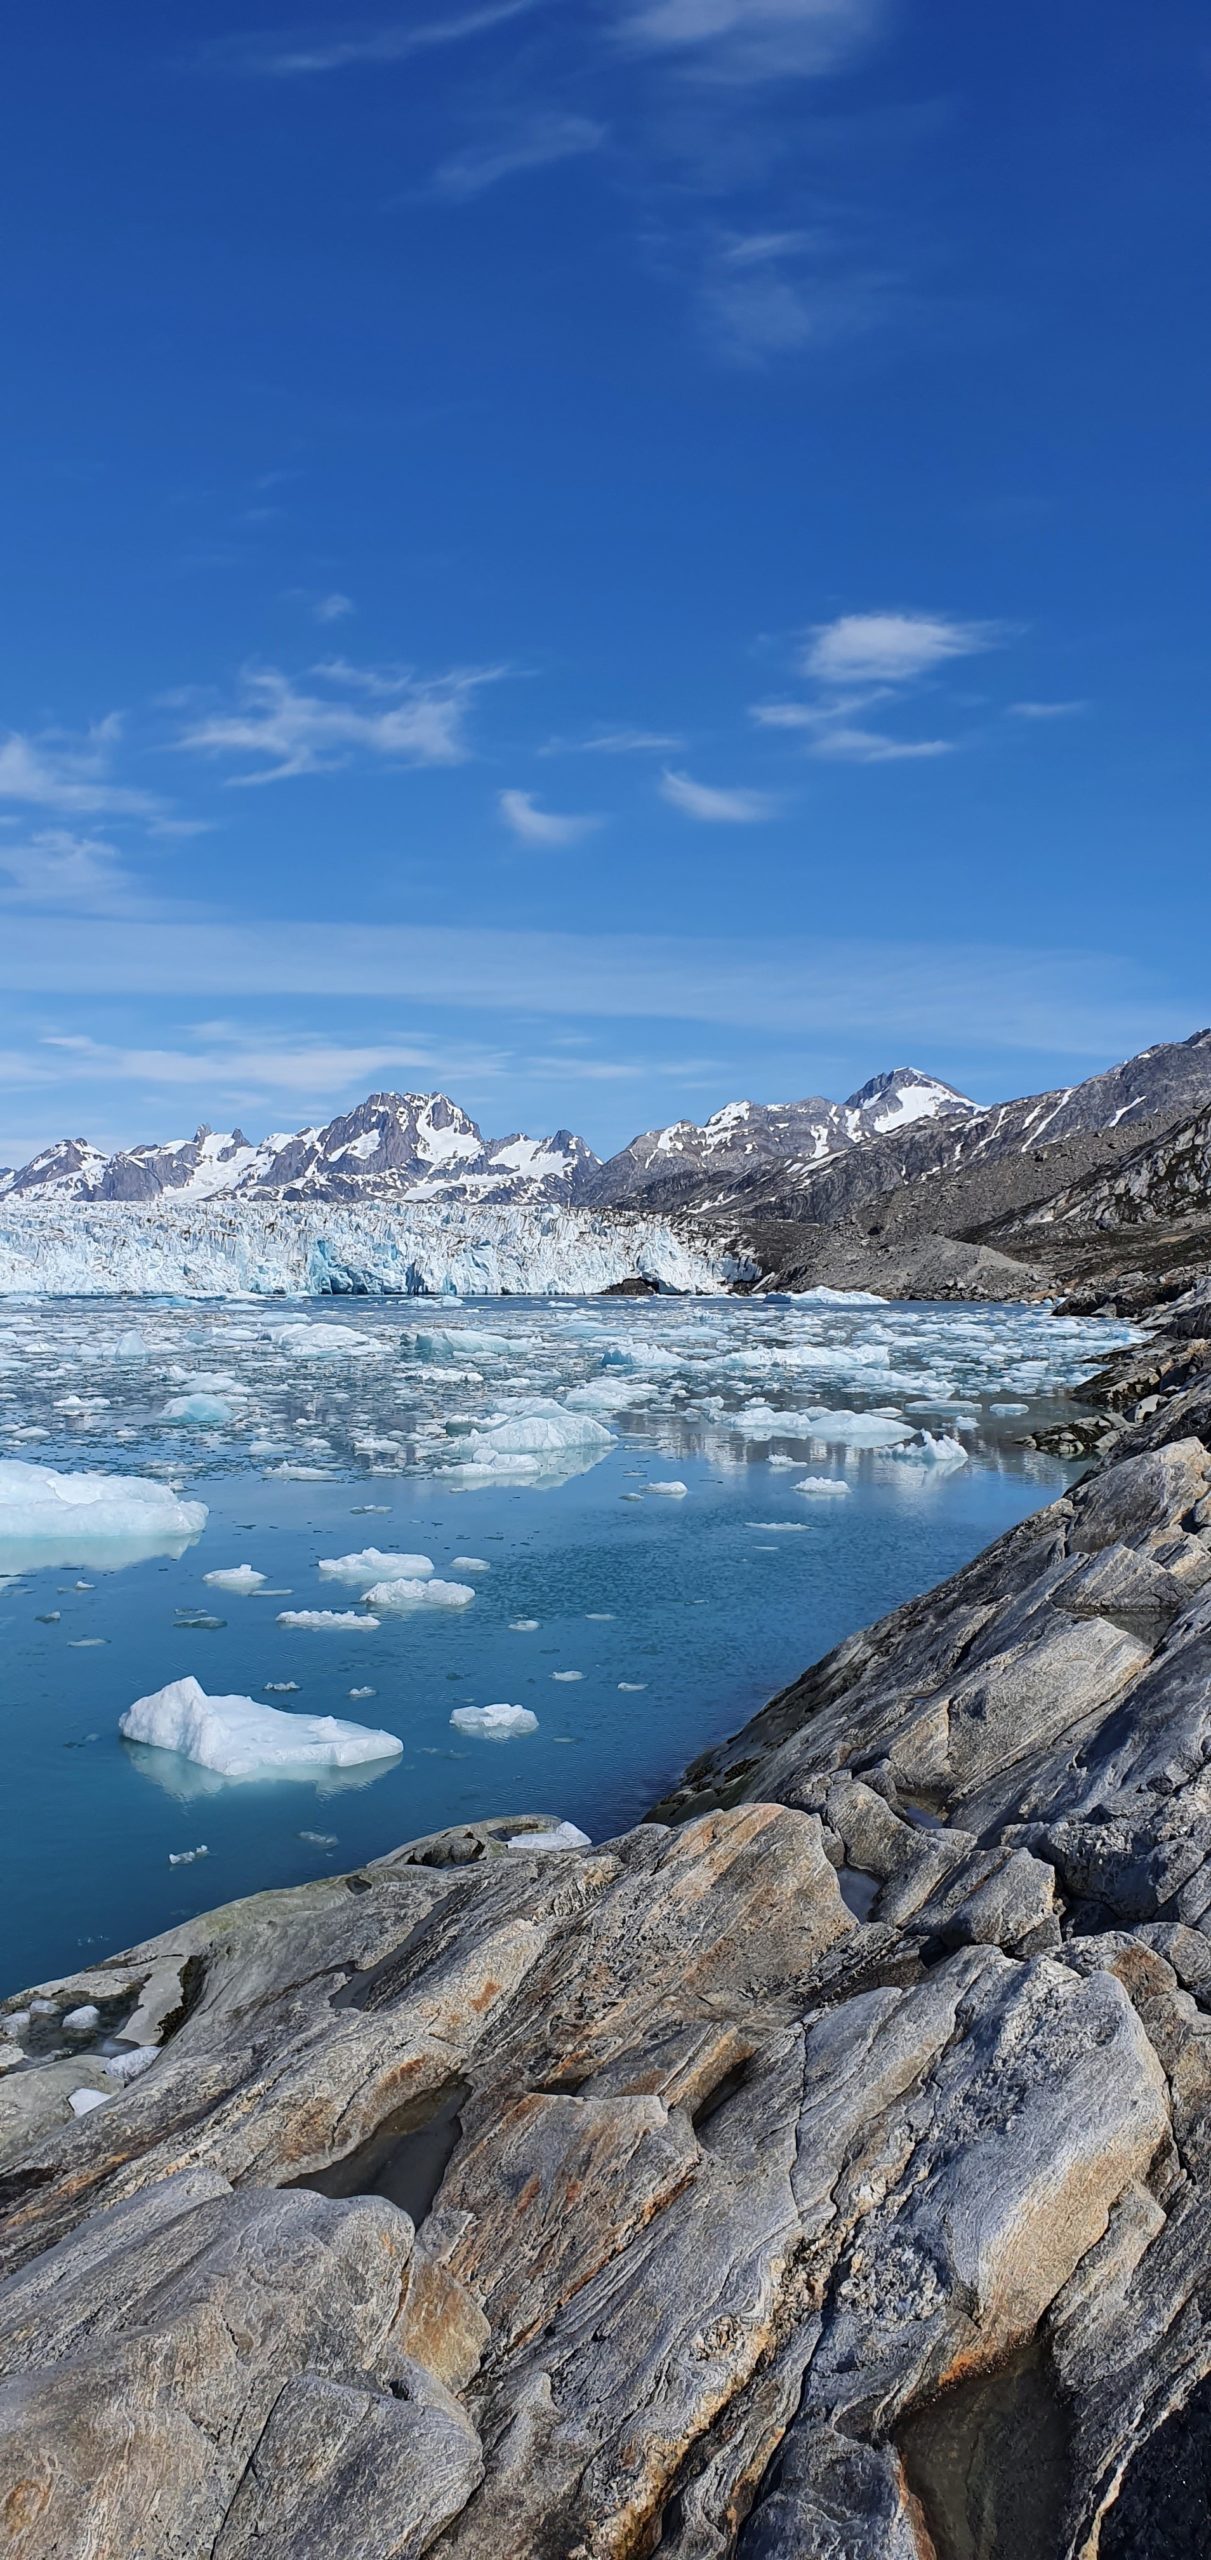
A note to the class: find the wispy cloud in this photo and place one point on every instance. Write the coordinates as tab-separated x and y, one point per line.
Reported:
304	54
992	999
864	660
540	143
229	1062
711	806
752	40
287	728
55	868
896	647
871	746
769	294
333	608
545	828
1046	710
615	742
72	775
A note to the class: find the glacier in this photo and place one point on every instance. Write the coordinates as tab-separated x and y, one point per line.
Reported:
297	1249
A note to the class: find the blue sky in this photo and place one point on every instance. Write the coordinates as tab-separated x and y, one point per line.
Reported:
600	554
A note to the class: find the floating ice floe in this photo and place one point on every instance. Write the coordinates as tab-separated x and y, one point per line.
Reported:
49	1518
822	1485
307	1340
923	1450
675	1488
328	1621
631	1688
187	1857
235	1577
562	1835
524	1626
363	1693
495	1723
408	1593
237	1738
199	1409
785	1528
470	1564
375	1560
567	1675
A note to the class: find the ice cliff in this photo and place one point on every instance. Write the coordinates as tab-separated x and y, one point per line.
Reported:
298	1249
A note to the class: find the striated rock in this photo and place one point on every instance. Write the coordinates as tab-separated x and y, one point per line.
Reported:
821	2171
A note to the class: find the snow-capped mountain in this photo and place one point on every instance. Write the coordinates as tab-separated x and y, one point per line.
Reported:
685	1162
394	1146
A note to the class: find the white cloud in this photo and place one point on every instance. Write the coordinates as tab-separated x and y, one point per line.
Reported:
1046	710
615	742
333	608
229	1061
770	293
752	40
71	774
870	746
543	827
54	868
289	730
540	144
297	57
711	806
896	647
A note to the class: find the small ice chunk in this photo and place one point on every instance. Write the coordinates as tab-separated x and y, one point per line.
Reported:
320	1839
675	1488
824	1485
785	1528
496	1722
372	1561
470	1564
363	1693
280	1688
631	1688
131	2064
235	1577
409	1594
328	1621
240	1739
200	1409
187	1857
563	1835
524	1626
82	2101
83	2021
599	1617
1004	1411
779	1458
567	1675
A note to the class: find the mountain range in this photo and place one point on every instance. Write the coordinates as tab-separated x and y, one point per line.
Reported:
908	1186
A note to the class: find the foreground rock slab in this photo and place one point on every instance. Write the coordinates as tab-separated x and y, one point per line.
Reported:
821	2172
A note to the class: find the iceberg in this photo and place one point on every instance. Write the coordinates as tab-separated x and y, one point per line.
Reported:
237	1738
200	1409
235	1577
337	1621
48	1518
675	1488
821	1485
373	1560
496	1723
408	1593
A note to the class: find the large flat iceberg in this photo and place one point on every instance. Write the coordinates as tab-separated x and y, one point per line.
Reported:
49	1518
238	1738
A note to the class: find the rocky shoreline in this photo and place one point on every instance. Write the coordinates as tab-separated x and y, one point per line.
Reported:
821	2171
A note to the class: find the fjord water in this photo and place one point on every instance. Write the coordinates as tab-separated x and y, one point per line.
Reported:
637	1624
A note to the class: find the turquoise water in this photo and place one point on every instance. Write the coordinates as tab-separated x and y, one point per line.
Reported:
702	1605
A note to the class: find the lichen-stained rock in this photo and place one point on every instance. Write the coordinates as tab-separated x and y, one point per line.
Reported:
136	2395
342	2470
649	2200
